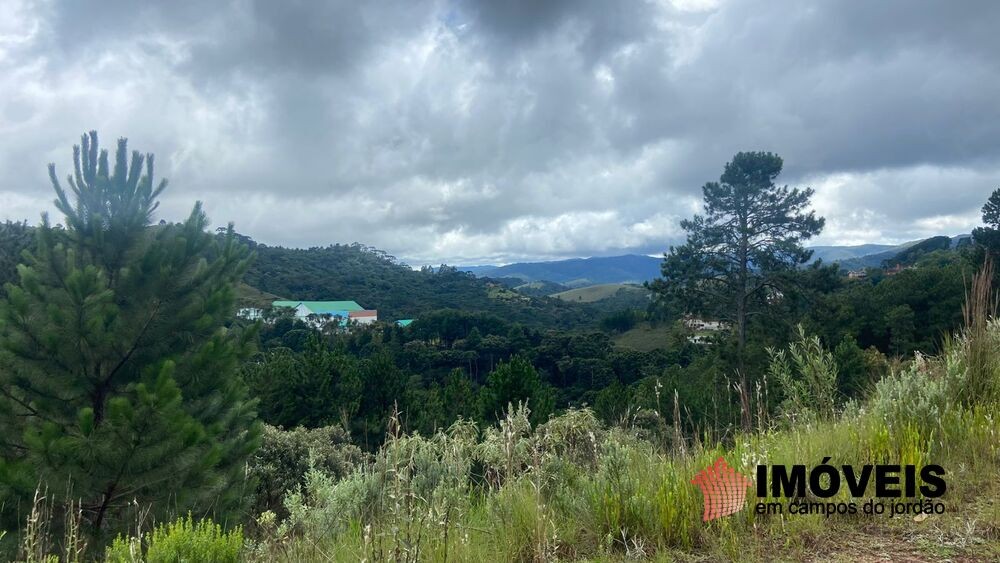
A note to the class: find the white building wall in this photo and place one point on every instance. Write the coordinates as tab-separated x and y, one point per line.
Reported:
250	313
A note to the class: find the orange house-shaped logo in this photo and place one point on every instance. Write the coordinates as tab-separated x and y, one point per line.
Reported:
724	489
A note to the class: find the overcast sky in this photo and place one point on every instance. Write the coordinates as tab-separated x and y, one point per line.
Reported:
470	132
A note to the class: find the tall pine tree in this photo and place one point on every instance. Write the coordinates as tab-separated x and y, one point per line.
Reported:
751	232
988	236
118	376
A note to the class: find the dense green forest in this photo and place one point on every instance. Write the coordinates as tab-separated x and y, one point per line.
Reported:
378	281
434	369
131	390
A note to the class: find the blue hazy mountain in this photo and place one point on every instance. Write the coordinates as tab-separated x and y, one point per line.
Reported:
905	253
838	253
637	268
578	272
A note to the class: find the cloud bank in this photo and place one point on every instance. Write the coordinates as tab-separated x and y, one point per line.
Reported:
475	132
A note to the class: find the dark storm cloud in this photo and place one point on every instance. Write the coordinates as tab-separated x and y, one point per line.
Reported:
492	131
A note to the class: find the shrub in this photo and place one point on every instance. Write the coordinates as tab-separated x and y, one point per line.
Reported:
285	456
180	541
924	393
912	396
505	450
574	437
407	499
981	339
619	506
980	364
324	505
807	376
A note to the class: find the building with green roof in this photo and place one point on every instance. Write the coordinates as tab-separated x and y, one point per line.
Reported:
321	307
320	313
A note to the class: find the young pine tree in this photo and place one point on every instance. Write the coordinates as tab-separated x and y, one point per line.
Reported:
513	382
118	382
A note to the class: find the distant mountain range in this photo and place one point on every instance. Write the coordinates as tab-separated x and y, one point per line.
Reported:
838	253
637	268
905	253
578	272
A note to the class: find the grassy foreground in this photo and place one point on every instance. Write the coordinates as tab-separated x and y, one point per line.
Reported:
572	489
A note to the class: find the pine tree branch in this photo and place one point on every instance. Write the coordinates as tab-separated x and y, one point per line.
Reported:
133	347
31	410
